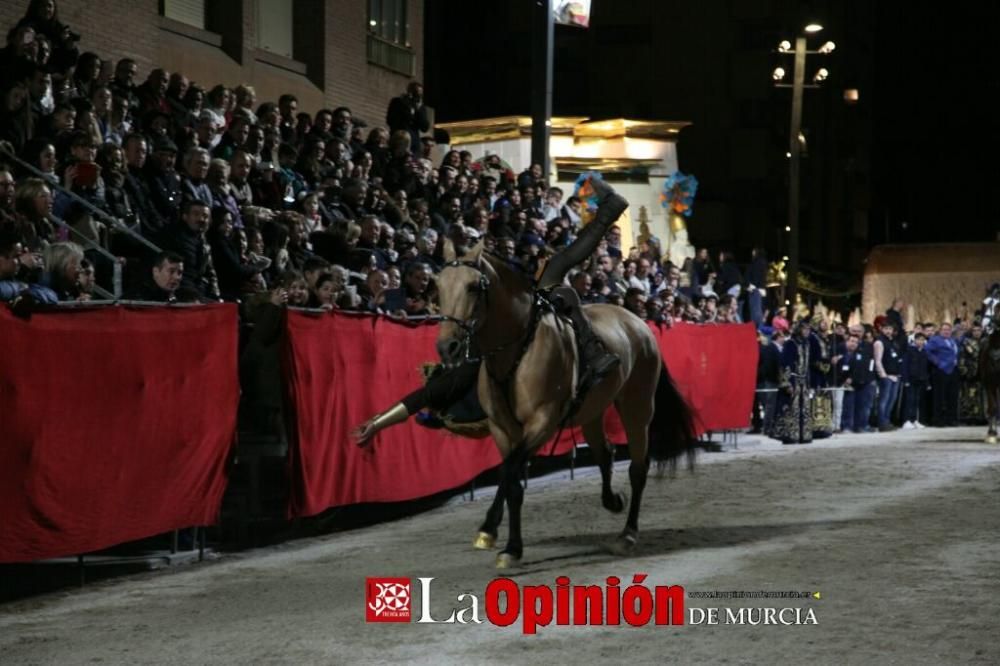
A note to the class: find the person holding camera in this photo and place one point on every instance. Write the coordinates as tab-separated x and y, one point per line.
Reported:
408	113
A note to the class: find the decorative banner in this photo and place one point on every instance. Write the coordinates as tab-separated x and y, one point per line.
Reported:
117	425
583	189
678	193
574	13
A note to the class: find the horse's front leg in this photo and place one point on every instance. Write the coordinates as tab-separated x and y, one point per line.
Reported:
512	469
538	429
487	536
993	402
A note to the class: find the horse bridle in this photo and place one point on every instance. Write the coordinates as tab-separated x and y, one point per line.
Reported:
471	325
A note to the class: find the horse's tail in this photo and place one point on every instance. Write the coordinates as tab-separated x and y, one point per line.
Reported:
672	431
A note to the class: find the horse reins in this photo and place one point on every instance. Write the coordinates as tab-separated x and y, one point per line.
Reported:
471	326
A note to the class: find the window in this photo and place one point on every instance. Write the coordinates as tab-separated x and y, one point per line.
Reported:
190	12
389	36
274	26
387	20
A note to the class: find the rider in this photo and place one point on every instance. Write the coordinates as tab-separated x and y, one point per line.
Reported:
447	386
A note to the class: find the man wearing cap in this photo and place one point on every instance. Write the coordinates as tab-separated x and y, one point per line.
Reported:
163	181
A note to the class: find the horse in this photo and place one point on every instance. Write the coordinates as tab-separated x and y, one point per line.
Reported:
989	375
527	386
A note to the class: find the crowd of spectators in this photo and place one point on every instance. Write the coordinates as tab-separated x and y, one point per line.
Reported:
880	376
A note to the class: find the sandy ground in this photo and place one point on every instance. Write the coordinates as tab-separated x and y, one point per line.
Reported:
897	531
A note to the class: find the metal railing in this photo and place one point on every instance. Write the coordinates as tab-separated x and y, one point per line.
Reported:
87	242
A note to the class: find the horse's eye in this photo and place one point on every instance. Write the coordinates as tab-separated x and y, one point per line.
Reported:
474	288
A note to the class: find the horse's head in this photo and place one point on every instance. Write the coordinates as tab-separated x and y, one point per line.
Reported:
463	287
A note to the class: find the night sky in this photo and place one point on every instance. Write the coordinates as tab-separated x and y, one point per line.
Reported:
914	161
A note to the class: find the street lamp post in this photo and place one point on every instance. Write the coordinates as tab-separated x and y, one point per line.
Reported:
794	145
795	140
542	31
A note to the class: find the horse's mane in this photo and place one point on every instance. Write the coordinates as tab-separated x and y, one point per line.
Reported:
510	277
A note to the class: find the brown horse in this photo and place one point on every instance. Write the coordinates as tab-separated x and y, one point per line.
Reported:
989	375
527	382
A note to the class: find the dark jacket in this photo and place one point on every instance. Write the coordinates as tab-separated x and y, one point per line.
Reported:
137	189
916	367
410	116
862	366
199	274
768	364
729	276
232	272
757	273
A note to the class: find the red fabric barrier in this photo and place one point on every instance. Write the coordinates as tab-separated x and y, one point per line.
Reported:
715	369
116	425
343	368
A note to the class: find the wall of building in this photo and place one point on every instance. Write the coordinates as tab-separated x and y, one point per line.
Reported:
333	68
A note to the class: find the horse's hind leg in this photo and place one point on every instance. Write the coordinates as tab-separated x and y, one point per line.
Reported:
636	417
593	433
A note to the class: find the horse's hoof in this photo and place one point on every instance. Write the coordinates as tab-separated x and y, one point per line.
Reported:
507	560
992	439
617	502
484	541
625	543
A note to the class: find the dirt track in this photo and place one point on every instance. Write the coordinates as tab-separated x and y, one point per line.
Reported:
897	531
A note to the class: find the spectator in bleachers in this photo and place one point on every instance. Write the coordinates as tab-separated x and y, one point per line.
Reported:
85	75
245	97
407	113
123	83
193	184
284	119
16	125
32	207
413	297
12	272
62	270
163	182
186	237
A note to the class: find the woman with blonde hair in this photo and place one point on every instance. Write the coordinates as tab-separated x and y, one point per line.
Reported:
62	270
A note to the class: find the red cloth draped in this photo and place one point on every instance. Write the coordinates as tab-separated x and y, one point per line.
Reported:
116	425
342	368
715	369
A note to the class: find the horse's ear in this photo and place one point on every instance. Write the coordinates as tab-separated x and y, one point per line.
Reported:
475	254
449	251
